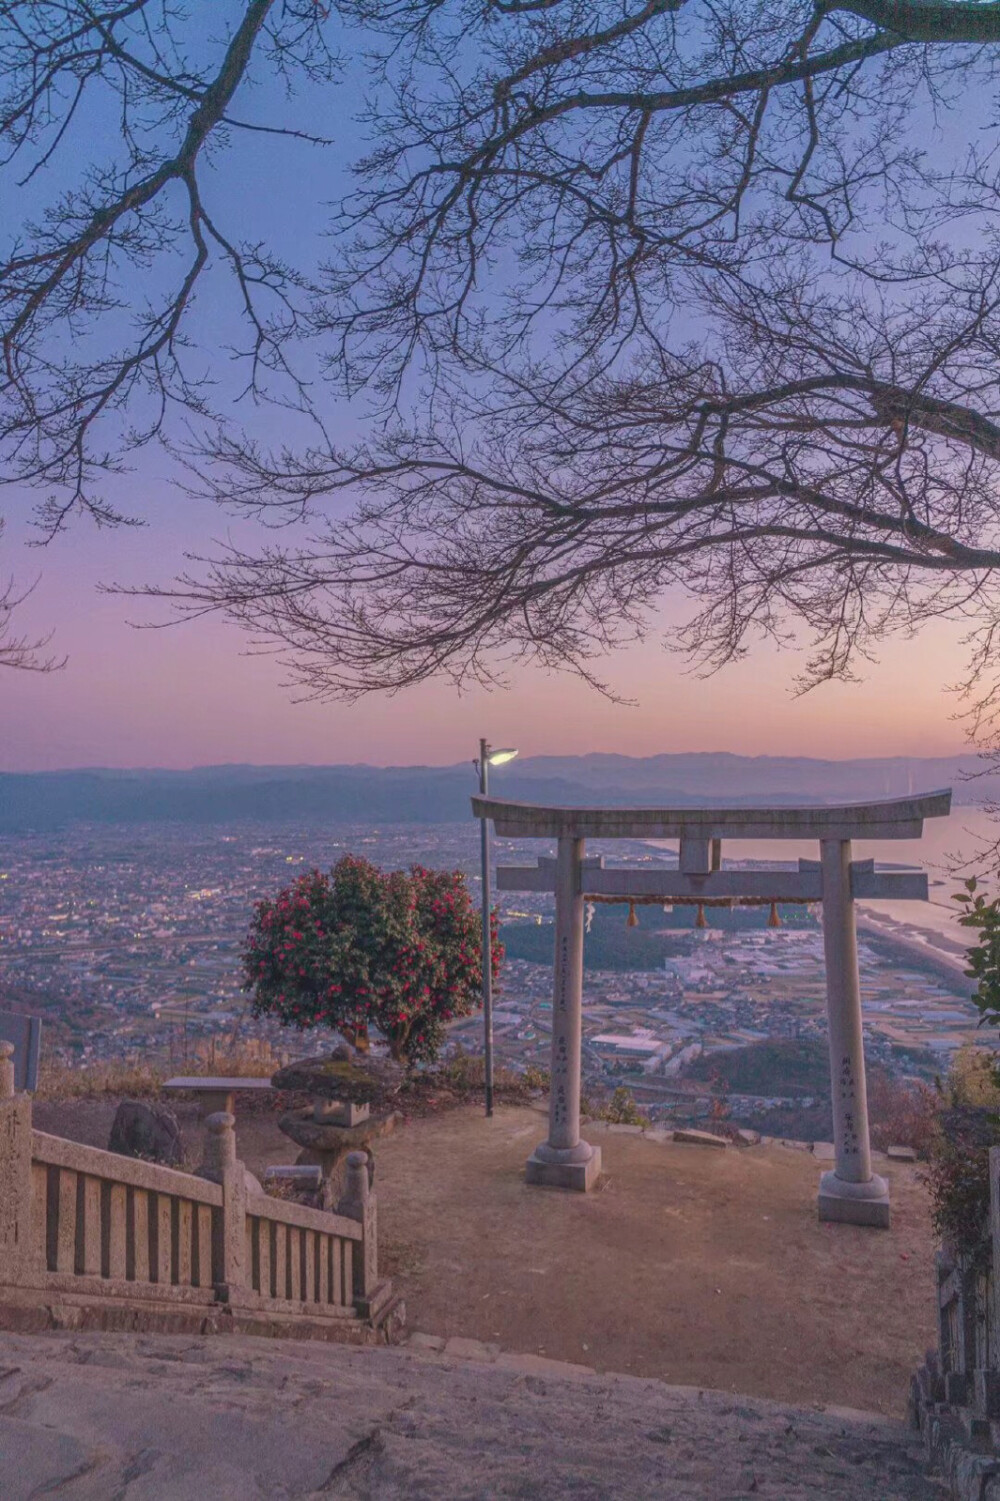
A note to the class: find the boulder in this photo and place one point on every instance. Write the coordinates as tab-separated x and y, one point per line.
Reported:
354	1080
147	1131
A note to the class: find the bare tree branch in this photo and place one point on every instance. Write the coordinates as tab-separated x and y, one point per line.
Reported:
655	297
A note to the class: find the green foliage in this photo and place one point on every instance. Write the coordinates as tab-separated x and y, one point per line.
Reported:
972	1079
621	1110
958	1175
357	949
465	1075
774	1066
983	918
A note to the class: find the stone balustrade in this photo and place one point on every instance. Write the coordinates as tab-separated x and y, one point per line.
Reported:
955	1396
99	1240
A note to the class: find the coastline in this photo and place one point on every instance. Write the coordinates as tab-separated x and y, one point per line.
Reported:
923	955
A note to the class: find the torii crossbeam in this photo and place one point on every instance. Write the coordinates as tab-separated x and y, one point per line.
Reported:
851	1192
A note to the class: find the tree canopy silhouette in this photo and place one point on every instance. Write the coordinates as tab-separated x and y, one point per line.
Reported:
673	295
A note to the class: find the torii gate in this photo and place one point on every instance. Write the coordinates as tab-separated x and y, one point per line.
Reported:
850	1192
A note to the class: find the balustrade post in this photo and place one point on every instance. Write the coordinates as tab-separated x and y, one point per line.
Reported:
993	1311
15	1175
229	1224
360	1204
6	1070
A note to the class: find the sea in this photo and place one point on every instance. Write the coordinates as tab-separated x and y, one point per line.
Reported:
951	850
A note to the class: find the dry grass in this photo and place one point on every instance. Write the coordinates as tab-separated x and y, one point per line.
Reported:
139	1079
253	1058
902	1113
59	1080
972	1078
464	1076
620	1110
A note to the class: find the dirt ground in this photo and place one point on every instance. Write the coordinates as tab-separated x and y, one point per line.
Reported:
698	1266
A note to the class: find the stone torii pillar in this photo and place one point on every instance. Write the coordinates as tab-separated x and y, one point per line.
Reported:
565	1160
851	1193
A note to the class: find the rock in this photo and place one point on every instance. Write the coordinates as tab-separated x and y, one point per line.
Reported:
310	1176
431	1342
748	1138
540	1365
700	1138
470	1349
172	1419
147	1131
356	1081
901	1154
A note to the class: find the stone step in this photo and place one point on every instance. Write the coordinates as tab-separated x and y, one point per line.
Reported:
171	1418
701	1138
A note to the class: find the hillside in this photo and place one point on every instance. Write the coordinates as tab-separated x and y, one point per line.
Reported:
433	794
777	1066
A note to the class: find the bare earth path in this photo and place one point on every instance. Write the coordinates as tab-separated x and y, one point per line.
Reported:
700	1267
159	1418
695	1265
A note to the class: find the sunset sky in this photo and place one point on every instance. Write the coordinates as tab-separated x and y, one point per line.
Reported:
190	695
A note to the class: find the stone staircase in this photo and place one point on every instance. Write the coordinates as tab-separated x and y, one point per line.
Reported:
90	1417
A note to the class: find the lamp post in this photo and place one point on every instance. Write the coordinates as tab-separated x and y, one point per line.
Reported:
488	758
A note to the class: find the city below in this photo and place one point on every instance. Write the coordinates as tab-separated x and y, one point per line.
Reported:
126	940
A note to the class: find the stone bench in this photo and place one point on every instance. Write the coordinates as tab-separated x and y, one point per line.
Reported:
216	1094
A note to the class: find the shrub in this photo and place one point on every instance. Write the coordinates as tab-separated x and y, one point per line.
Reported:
972	1079
982	917
359	949
464	1075
958	1174
901	1113
620	1110
60	1080
958	1177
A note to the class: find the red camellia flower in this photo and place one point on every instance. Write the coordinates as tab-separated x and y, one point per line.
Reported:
398	953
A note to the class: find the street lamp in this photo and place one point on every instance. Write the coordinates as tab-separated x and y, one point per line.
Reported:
487	758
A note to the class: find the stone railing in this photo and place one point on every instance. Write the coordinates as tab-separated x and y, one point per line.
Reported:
955	1396
94	1239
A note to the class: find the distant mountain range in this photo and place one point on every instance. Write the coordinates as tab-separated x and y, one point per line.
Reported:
432	794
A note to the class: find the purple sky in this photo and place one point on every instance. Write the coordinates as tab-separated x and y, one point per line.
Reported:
190	695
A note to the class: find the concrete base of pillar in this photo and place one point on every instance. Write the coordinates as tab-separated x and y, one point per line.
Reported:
571	1167
854	1203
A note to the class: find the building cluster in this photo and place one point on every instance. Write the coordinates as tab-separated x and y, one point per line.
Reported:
127	940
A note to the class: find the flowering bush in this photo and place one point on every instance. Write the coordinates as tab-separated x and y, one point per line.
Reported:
361	949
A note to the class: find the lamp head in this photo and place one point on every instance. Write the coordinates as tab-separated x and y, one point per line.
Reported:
499	757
